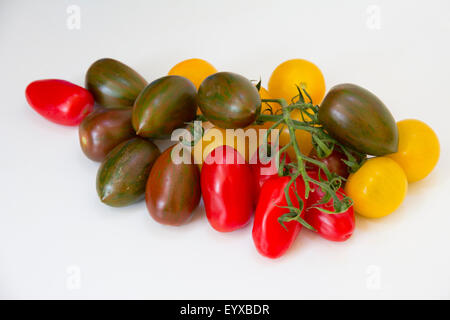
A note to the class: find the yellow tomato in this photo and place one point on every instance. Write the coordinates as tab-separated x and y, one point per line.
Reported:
418	149
377	188
246	141
195	70
297	72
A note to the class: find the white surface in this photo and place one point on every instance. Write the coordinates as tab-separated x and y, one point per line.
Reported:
52	225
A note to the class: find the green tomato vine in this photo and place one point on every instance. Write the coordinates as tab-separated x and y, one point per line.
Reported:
324	145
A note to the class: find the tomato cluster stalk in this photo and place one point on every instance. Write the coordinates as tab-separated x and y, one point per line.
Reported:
324	145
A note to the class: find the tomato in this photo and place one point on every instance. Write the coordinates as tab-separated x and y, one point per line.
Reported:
333	227
358	119
246	141
229	100
333	162
297	72
418	149
227	189
114	84
104	129
377	188
265	168
163	106
270	238
173	190
195	70
59	101
122	176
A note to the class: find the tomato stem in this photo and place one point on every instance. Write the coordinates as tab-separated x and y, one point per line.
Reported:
322	141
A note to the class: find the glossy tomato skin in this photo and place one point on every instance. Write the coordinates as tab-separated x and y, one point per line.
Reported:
378	188
334	227
104	129
297	72
122	176
264	170
114	84
227	189
195	70
333	162
59	101
270	238
357	118
418	149
173	190
229	100
163	106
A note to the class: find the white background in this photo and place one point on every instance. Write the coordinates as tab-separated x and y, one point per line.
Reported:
54	229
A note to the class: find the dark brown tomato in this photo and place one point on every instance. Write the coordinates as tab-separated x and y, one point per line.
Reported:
114	84
164	105
229	100
173	190
123	174
357	118
104	129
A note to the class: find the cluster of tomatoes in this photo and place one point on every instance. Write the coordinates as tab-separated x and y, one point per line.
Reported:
337	154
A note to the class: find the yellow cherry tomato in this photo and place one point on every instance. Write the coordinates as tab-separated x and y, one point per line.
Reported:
418	149
246	142
377	188
297	72
195	70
